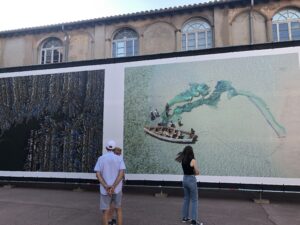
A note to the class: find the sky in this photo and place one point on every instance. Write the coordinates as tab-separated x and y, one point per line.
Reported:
16	14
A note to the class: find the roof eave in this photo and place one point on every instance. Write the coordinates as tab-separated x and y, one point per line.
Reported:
125	17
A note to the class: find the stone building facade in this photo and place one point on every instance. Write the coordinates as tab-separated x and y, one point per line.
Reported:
209	25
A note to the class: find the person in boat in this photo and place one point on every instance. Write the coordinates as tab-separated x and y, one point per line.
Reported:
167	109
166	133
180	123
180	135
172	124
175	134
156	113
152	115
192	134
167	114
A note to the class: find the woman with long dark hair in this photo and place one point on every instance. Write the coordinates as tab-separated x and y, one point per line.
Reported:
190	170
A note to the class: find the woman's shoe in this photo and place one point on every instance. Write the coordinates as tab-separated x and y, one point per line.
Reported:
194	222
185	220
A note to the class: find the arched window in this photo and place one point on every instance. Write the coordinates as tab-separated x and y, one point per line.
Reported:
286	25
51	51
196	34
125	43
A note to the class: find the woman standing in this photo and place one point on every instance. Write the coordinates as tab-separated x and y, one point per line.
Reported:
190	169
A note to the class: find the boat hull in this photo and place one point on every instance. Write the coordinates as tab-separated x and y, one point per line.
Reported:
184	140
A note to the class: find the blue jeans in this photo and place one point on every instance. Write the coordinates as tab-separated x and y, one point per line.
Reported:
190	195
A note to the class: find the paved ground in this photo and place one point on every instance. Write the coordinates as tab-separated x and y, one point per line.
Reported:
32	206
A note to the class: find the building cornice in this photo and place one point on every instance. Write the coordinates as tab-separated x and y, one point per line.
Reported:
68	26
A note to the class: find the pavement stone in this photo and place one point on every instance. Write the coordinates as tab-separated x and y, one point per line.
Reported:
33	206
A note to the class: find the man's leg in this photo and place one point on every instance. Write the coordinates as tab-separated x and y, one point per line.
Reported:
105	202
111	212
105	215
118	202
119	216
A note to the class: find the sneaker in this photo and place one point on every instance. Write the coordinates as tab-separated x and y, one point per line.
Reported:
112	222
194	222
185	220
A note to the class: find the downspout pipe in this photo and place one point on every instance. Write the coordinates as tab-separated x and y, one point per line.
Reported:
67	42
251	23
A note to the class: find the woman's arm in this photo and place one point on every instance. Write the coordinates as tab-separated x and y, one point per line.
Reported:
194	164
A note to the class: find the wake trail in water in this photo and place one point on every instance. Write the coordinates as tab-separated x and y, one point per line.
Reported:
199	94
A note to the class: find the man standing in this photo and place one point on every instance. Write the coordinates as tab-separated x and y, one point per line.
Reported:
110	172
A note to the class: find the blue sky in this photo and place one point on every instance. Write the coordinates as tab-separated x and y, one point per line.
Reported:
17	14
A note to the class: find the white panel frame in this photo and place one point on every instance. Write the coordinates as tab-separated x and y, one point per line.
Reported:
113	124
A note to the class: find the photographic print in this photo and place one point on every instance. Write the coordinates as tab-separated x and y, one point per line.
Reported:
239	115
51	122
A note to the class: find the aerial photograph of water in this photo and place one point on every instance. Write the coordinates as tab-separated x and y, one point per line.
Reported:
242	110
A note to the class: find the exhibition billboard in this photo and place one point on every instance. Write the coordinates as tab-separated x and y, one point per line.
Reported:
51	122
238	110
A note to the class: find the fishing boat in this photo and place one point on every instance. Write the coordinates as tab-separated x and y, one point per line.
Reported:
171	134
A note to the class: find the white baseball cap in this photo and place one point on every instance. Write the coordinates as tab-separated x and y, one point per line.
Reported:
111	145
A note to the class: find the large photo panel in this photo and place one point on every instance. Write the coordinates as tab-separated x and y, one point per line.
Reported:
241	116
51	122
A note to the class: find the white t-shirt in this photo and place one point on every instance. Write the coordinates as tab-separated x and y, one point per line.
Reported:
109	166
